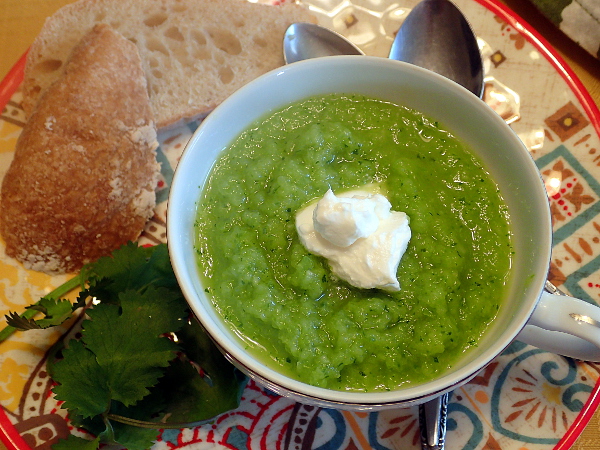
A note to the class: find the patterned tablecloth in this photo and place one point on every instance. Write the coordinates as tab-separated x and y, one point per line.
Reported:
525	399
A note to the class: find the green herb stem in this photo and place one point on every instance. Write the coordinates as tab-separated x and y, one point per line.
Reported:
157	425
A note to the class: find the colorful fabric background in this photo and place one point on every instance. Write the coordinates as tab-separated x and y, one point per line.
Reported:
578	19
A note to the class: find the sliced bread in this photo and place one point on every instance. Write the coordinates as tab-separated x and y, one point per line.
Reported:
84	173
195	53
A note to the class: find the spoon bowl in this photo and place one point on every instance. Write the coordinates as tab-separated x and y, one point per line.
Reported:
436	36
304	40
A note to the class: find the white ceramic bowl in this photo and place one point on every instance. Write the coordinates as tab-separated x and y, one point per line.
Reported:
457	110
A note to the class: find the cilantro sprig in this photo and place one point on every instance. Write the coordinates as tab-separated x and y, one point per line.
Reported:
140	358
51	306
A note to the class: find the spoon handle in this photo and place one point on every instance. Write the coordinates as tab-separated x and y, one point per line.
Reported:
432	422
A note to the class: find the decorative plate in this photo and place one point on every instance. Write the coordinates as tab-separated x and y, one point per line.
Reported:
525	399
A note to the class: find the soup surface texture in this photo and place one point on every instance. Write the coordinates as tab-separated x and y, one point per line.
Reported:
285	303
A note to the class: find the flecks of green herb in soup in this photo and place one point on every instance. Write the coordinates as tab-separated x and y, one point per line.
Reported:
295	314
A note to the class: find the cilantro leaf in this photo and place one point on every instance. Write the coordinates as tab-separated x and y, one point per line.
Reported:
203	384
82	382
76	443
21	323
134	438
126	436
132	267
26	320
127	340
55	312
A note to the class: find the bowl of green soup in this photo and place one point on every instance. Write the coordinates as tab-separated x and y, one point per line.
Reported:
360	233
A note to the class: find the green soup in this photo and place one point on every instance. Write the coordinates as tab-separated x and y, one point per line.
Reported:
285	303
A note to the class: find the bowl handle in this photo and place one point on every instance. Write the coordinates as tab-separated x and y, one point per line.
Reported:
564	325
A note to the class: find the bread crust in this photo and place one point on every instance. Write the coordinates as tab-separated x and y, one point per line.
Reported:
195	53
83	178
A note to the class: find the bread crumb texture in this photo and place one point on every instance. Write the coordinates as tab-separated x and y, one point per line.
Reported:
194	53
84	173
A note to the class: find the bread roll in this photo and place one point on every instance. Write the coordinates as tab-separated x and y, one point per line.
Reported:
195	53
83	178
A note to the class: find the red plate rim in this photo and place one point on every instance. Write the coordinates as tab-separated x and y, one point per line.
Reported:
12	81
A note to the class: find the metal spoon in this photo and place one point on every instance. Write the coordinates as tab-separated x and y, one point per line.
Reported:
433	416
308	40
436	36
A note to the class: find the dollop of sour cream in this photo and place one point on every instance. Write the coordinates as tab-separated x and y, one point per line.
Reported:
360	236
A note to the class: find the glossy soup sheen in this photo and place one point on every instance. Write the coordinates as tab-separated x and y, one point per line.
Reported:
292	312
